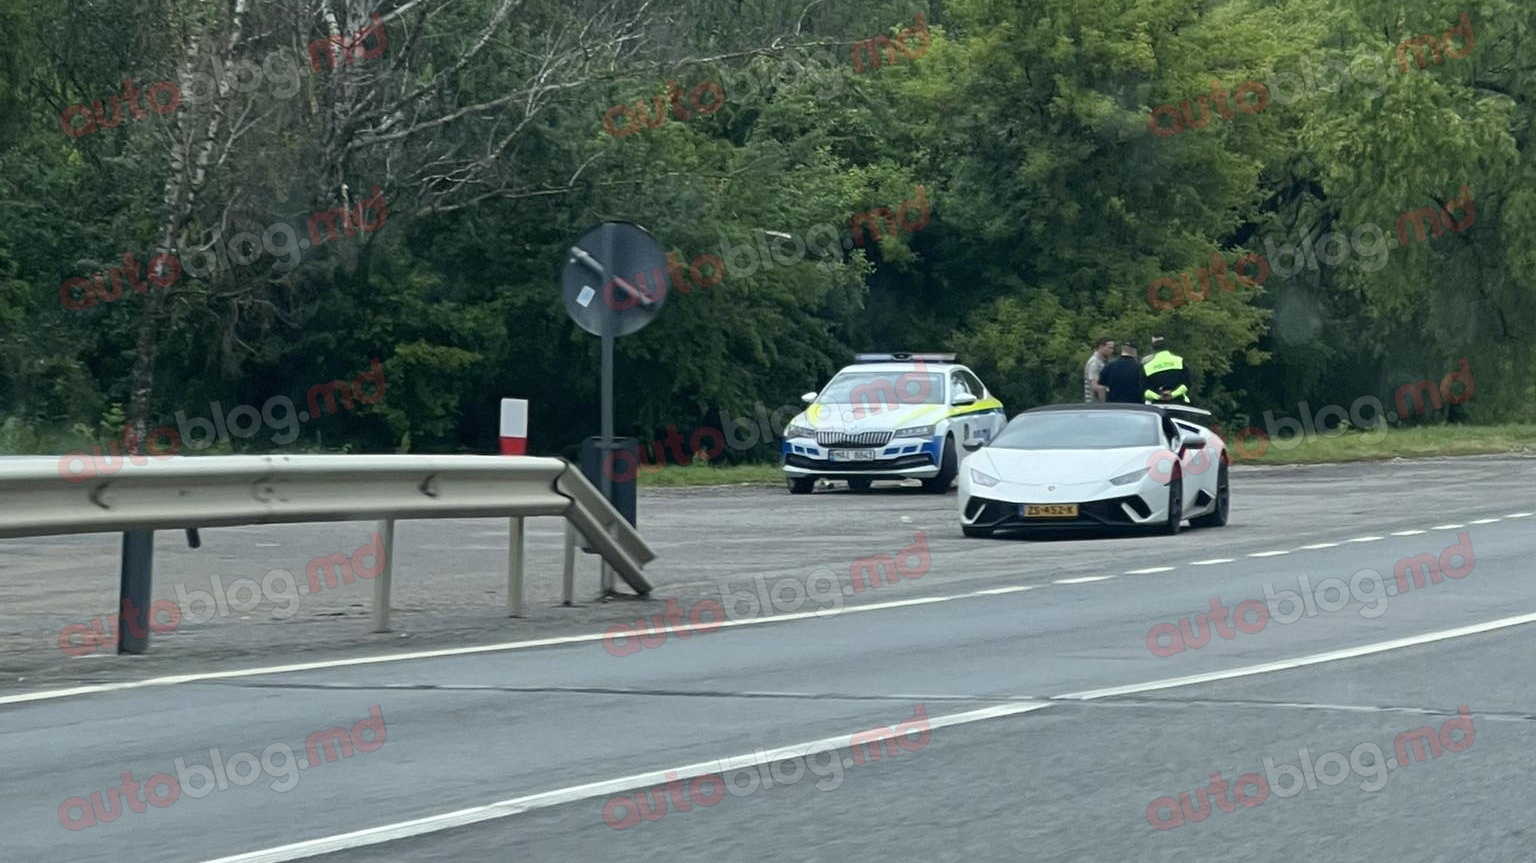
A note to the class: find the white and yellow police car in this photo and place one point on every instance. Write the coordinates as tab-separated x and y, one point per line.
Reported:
891	416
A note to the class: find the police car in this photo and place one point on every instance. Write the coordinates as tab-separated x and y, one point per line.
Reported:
891	416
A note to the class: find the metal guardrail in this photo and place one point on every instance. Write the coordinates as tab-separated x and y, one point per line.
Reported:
221	491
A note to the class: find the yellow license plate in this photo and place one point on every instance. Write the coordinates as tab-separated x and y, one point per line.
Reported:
1050	510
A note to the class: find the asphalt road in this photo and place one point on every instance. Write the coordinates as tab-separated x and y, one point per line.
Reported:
1040	723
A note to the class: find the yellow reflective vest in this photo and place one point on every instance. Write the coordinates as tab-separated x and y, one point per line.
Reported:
1166	371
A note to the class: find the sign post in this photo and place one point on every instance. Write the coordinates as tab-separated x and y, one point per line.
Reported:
614	283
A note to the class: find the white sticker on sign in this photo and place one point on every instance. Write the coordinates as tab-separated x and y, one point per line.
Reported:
584	298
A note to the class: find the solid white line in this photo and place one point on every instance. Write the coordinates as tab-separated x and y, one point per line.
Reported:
1448	527
1365	539
1483	521
1409	532
591	790
585	638
1149	570
1298	662
1083	580
1211	562
1268	553
1319	545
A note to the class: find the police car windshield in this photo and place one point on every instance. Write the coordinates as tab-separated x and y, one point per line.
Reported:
884	389
1081	430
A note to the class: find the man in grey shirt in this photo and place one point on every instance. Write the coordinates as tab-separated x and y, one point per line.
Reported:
1093	391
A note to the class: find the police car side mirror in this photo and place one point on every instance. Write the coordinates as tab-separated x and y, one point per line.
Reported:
808	398
963	399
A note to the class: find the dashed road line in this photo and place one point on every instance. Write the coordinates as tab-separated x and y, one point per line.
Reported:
1409	532
1083	580
597	790
1149	570
1365	539
1301	661
1001	590
1213	561
1268	553
1483	521
1318	545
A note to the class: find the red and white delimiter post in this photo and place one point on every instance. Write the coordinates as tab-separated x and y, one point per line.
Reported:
514	426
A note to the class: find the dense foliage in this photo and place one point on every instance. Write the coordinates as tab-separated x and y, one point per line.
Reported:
1012	137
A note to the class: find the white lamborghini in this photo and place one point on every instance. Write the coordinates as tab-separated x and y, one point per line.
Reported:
1097	466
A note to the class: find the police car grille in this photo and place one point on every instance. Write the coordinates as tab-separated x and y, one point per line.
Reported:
843	439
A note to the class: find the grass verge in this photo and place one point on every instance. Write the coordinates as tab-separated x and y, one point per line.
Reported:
1352	446
1416	442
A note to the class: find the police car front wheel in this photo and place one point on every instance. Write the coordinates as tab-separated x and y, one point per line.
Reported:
949	468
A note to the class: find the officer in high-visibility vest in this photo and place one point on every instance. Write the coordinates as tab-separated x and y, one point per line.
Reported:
1167	376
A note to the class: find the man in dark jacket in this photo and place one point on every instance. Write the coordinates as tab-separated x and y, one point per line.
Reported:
1124	378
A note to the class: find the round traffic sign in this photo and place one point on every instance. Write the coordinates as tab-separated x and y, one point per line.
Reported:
615	279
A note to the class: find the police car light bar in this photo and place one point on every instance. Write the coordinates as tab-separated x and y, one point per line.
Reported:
901	356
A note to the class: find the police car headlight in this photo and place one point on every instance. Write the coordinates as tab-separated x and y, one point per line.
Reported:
981	479
1128	478
799	431
916	431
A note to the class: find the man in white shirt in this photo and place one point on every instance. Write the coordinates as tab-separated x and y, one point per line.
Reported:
1093	391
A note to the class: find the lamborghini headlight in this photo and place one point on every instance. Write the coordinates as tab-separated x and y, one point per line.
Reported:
981	479
1128	478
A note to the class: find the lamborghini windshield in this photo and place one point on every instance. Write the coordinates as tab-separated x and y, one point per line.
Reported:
1097	429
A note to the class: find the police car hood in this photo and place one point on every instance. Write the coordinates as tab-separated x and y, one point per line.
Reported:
858	418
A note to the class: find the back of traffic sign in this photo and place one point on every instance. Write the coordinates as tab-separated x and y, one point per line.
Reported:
614	279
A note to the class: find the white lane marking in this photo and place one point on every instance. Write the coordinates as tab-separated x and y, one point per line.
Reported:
1520	515
1448	527
1211	562
1365	539
1298	662
1316	546
1001	590
1483	521
1268	553
585	638
560	796
1083	580
1409	532
1149	570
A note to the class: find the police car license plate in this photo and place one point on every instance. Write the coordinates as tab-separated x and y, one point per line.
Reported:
854	454
1049	510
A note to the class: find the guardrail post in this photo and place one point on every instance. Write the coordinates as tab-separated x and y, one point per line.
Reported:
515	566
381	584
138	572
569	591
